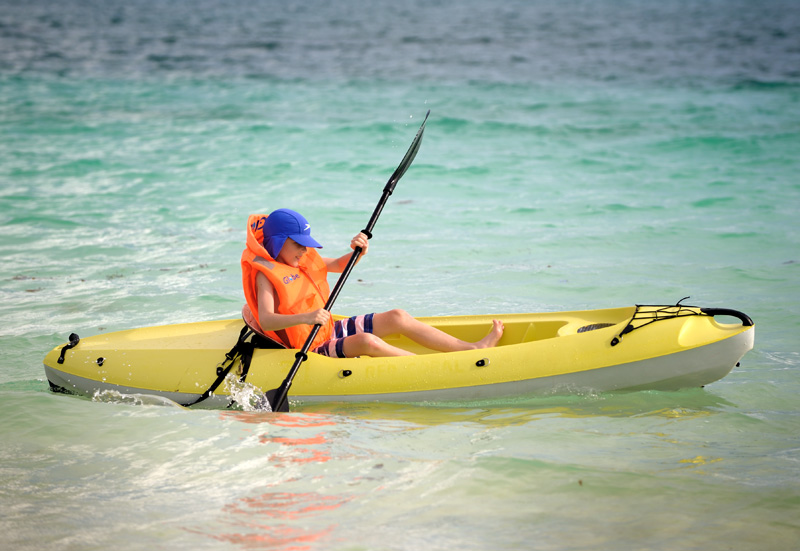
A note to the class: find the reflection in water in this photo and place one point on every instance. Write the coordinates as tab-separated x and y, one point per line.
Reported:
268	521
281	520
296	420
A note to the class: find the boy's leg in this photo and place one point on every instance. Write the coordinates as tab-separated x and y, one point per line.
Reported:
367	344
400	322
355	337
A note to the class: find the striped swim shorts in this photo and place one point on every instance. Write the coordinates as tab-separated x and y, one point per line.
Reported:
334	348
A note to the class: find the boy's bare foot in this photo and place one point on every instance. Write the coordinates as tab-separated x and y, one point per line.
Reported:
493	337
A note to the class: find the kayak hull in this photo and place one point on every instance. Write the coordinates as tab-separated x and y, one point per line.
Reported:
540	354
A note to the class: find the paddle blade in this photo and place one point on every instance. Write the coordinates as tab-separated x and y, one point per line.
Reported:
409	157
267	402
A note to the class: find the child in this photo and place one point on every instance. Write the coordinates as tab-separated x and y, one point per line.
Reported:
286	288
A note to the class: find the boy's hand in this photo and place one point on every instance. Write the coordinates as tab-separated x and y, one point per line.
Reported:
318	317
360	241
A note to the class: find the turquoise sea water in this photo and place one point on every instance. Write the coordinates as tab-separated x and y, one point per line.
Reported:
579	154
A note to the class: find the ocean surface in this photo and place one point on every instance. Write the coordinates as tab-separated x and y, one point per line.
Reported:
579	154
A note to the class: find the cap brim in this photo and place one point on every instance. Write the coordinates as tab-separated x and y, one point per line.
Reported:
305	241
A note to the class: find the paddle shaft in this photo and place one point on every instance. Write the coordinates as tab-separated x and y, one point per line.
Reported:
278	398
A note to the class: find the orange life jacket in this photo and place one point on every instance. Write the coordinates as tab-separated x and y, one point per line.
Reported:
299	290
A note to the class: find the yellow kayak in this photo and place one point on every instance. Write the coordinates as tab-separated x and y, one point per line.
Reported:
629	348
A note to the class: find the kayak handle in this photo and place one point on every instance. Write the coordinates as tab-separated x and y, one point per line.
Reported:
74	339
744	318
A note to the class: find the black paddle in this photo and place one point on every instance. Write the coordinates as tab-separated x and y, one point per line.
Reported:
277	398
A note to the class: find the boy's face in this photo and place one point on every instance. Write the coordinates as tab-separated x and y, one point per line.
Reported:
291	253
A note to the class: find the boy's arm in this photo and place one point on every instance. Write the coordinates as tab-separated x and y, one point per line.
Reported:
270	320
337	265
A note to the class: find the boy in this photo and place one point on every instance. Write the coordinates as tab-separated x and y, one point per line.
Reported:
285	285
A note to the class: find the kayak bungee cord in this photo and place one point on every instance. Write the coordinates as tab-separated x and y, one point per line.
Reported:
661	313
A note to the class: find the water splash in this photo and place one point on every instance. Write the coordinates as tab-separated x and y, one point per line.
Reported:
246	395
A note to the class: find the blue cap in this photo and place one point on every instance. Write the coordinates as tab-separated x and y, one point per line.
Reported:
285	223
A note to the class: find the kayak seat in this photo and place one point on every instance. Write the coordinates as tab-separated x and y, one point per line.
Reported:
263	341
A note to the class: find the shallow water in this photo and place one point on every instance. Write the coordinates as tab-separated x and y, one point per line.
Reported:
578	155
